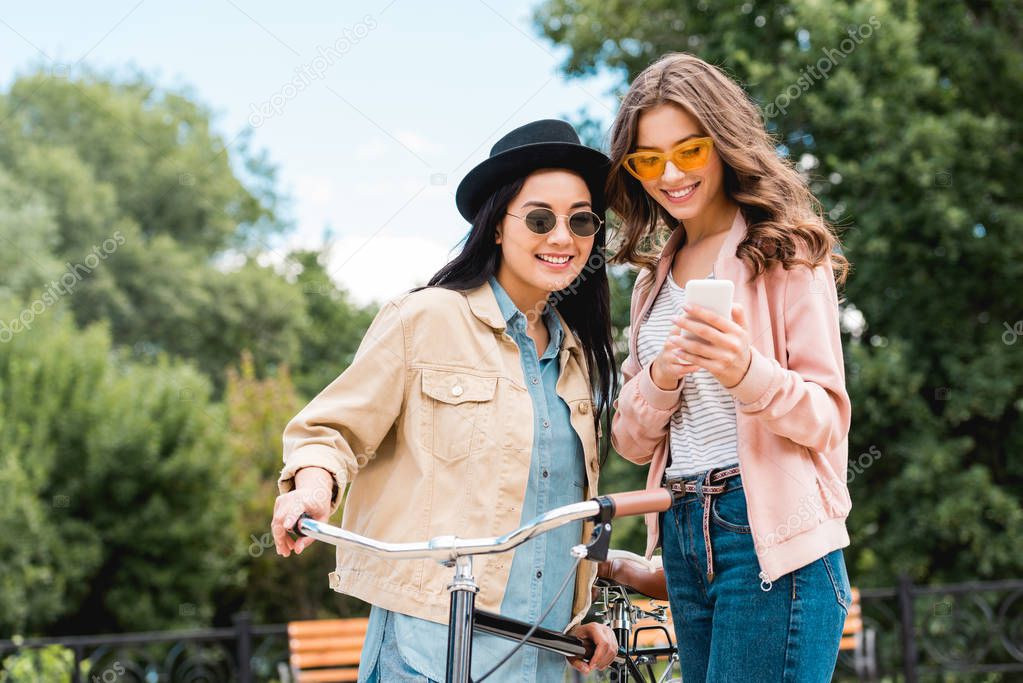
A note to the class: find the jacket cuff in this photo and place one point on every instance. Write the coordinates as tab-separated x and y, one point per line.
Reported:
654	395
757	380
324	457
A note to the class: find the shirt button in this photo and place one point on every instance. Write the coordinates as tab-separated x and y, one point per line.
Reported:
546	424
539	574
456	390
534	380
546	474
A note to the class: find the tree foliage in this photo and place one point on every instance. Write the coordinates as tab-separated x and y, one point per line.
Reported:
111	485
130	281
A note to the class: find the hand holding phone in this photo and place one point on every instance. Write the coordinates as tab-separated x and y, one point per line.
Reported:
714	295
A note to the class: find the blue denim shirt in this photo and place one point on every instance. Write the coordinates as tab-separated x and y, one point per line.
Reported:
557	476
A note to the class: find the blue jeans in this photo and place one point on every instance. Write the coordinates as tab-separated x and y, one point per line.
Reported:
730	629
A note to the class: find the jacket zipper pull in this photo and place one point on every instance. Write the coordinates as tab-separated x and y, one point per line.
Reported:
765	583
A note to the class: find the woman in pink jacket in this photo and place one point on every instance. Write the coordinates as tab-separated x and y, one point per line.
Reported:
749	419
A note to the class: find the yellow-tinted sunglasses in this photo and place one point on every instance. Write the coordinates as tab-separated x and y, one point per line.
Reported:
687	156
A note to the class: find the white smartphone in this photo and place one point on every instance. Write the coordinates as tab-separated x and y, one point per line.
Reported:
712	294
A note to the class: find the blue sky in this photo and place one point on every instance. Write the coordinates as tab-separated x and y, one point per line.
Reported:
373	111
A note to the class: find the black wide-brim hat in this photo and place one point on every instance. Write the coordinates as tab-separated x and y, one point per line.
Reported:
549	143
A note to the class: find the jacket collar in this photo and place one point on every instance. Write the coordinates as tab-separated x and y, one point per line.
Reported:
667	257
483	304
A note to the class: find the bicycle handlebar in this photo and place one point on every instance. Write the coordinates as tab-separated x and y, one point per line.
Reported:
449	548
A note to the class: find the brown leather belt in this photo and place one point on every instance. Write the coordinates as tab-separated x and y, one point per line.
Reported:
707	487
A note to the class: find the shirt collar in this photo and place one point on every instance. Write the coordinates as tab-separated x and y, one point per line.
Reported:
517	321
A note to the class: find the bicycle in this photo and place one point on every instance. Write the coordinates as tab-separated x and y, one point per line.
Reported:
623	616
464	619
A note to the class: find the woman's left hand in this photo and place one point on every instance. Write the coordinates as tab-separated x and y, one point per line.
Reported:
605	646
723	347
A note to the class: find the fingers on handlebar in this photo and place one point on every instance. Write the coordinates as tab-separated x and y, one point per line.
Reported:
296	528
641	502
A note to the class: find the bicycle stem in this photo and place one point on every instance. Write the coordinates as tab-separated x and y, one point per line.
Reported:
463	590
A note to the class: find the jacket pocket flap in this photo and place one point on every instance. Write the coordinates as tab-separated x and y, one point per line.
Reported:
455	387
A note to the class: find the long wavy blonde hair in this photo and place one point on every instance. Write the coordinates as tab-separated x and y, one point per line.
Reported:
785	222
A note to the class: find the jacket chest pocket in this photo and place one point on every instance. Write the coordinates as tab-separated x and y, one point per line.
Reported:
457	414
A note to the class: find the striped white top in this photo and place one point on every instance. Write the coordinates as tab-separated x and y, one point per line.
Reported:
703	433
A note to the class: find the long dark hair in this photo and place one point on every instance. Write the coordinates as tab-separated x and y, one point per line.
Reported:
585	305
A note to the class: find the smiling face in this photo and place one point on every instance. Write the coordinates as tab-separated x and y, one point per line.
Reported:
532	265
685	195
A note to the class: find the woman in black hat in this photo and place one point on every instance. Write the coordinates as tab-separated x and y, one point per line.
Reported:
474	405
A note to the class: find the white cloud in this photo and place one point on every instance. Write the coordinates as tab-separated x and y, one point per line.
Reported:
377	268
314	190
372	149
417	143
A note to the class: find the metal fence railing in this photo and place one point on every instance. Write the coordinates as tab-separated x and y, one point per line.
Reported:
964	632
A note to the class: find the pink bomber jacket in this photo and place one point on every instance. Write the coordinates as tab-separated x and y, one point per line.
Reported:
792	408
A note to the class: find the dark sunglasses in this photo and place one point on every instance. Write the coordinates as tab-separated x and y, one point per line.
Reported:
542	221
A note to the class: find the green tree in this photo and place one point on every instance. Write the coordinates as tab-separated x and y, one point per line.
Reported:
336	325
113	473
132	238
147	200
28	233
272	588
904	117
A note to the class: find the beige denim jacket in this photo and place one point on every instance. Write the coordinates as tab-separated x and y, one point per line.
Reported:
430	430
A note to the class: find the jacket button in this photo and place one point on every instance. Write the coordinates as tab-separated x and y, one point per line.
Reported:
456	390
584	407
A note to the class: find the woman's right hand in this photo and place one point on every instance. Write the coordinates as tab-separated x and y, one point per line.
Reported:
667	369
314	489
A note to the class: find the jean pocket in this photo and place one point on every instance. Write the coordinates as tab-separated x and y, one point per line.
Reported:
834	563
728	511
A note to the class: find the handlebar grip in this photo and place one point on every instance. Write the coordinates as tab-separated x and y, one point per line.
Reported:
297	529
641	502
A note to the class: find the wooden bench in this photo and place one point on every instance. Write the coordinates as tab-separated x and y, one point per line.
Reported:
859	641
325	650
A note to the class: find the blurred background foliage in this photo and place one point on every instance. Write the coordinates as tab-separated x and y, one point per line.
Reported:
141	405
